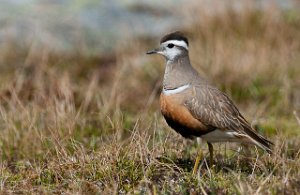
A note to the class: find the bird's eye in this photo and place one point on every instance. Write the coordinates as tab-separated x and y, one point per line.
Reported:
170	45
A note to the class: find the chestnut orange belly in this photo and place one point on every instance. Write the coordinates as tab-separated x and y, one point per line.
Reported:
179	117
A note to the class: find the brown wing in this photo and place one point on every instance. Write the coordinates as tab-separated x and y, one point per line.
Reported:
212	107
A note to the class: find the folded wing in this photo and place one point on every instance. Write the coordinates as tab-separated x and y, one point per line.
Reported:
212	107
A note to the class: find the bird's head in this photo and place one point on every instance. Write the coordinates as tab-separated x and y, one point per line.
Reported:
172	46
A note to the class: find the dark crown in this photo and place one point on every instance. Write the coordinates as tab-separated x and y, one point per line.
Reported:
175	36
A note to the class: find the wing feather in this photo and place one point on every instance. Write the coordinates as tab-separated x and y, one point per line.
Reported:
214	108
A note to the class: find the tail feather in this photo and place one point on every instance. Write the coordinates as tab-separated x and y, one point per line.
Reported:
258	139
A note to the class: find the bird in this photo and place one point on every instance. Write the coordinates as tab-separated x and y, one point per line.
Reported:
194	108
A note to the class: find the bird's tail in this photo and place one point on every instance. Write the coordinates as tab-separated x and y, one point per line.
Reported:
257	139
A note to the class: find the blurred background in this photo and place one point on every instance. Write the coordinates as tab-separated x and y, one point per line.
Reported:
75	73
96	27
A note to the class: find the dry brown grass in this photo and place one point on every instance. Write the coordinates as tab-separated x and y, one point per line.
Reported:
71	124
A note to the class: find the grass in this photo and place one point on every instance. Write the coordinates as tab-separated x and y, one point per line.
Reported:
91	125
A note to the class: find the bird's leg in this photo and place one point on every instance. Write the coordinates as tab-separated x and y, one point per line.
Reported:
199	156
211	153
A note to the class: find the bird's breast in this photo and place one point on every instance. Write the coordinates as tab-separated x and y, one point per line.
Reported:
179	117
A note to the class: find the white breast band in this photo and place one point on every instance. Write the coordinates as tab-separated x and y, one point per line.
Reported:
176	90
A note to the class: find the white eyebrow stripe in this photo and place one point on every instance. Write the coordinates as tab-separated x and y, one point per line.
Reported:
176	90
177	42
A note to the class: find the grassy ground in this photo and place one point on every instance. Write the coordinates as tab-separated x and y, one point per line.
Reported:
86	125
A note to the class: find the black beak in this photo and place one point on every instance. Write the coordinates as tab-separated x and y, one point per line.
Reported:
151	52
154	51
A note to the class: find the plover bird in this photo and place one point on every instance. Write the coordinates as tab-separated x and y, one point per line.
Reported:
196	109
